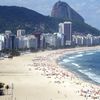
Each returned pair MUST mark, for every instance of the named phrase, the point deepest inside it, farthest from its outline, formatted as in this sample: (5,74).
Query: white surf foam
(76,56)
(80,55)
(80,52)
(90,53)
(77,65)
(91,75)
(72,57)
(66,60)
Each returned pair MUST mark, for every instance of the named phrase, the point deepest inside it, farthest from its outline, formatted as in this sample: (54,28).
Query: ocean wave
(80,52)
(91,53)
(80,55)
(76,56)
(67,60)
(91,75)
(77,65)
(72,57)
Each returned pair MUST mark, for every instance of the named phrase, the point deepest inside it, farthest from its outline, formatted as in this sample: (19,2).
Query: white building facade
(66,29)
(2,41)
(20,32)
(27,42)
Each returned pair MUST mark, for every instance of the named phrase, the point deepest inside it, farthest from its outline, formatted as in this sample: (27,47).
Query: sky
(88,9)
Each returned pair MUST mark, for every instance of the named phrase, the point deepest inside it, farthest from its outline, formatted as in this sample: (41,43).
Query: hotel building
(66,29)
(27,42)
(20,32)
(2,40)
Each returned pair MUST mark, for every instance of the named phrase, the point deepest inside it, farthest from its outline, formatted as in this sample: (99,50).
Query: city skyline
(89,9)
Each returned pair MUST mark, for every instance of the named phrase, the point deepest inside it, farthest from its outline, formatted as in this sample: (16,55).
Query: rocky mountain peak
(64,11)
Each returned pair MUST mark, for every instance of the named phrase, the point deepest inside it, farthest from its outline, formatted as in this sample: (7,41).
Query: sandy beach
(37,76)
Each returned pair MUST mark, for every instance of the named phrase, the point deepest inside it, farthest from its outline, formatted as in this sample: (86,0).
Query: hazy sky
(89,9)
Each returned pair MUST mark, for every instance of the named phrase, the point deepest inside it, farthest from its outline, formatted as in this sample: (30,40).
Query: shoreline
(75,73)
(42,72)
(80,75)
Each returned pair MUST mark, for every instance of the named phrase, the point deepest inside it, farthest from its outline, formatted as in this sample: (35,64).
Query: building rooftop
(68,22)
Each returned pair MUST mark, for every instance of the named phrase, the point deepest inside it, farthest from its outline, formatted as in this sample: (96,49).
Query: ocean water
(85,64)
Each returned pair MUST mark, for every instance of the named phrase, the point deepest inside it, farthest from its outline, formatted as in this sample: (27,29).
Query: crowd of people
(48,66)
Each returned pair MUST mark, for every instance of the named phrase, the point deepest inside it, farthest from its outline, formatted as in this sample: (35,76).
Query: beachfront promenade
(37,76)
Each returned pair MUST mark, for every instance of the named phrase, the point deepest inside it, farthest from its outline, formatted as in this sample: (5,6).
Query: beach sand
(37,76)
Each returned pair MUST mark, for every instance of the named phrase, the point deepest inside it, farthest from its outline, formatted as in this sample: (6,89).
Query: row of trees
(16,52)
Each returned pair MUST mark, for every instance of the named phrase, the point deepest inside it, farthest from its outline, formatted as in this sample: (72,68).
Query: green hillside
(13,18)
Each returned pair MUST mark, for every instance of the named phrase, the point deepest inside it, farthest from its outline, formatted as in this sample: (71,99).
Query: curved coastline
(65,62)
(42,78)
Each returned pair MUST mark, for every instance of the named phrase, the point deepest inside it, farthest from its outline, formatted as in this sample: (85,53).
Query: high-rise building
(89,40)
(2,38)
(32,41)
(10,42)
(61,28)
(66,29)
(8,32)
(78,40)
(20,32)
(38,36)
(42,41)
(0,45)
(27,42)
